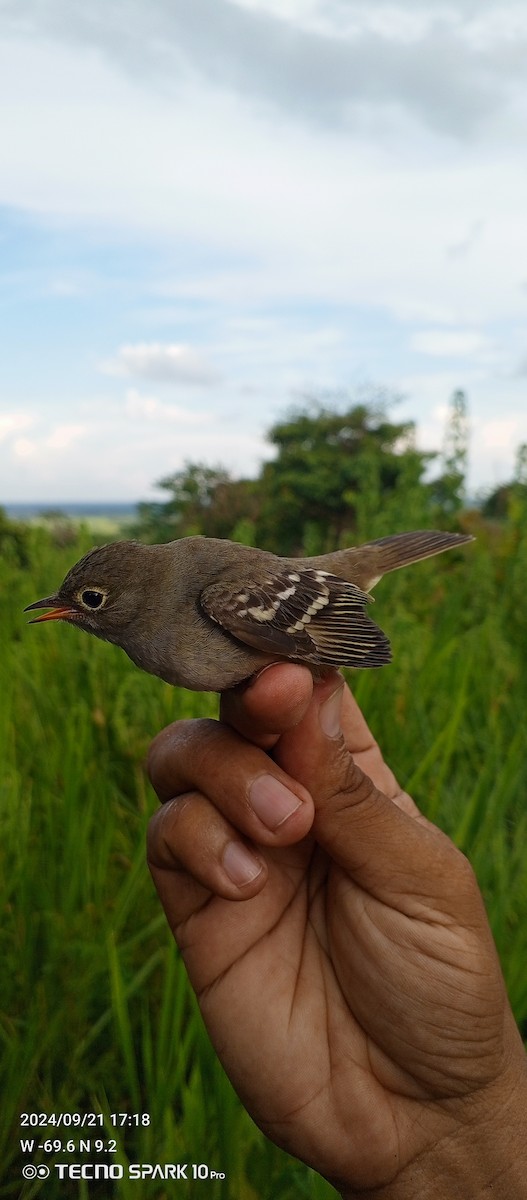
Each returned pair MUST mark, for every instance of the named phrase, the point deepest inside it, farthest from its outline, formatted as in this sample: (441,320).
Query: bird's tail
(400,549)
(367,564)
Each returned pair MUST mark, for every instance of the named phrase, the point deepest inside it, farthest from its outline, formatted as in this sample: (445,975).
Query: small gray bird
(206,614)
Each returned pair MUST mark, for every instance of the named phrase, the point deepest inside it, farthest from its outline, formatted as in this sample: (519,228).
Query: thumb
(391,853)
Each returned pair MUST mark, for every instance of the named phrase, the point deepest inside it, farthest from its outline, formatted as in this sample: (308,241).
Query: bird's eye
(92,599)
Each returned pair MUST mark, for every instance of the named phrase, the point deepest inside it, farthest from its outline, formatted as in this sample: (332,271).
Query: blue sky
(209,208)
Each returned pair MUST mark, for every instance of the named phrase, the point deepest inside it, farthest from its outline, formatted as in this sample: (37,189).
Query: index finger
(272,702)
(277,699)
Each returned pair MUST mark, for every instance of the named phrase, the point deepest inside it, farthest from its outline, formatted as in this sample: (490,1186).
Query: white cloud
(63,436)
(493,440)
(503,434)
(262,211)
(275,190)
(13,422)
(164,362)
(449,343)
(24,448)
(149,408)
(128,444)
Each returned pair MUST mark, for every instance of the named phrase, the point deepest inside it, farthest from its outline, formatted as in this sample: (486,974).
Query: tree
(509,500)
(338,476)
(202,500)
(332,475)
(449,489)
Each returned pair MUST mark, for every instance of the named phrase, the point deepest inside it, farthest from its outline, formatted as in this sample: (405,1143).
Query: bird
(206,613)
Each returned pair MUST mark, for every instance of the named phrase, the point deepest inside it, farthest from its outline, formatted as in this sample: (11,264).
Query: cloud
(452,68)
(149,408)
(165,363)
(24,448)
(122,460)
(13,422)
(449,343)
(502,433)
(250,211)
(463,245)
(278,190)
(521,366)
(63,436)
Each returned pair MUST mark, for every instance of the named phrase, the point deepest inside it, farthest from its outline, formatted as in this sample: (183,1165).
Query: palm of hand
(332,995)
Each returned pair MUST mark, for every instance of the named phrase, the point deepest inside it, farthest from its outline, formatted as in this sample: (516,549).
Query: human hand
(353,992)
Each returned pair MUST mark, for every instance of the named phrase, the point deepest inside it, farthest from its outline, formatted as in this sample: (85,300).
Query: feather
(305,614)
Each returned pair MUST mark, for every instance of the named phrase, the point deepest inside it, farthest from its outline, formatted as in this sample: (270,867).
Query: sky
(210,209)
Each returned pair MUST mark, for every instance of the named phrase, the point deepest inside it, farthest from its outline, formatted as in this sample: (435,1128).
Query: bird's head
(103,592)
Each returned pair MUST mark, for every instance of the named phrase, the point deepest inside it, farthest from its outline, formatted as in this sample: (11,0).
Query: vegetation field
(96,1013)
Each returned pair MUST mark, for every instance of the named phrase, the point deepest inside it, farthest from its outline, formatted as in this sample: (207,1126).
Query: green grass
(96,1013)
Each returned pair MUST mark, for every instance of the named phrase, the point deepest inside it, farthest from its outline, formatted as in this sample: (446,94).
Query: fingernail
(329,714)
(239,864)
(271,801)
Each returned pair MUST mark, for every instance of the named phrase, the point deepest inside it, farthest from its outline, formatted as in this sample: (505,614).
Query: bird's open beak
(58,610)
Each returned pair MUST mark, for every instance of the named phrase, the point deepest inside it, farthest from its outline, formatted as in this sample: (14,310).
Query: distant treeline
(337,475)
(340,473)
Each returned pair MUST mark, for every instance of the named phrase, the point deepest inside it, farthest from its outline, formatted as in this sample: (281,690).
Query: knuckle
(164,828)
(170,745)
(346,786)
(356,782)
(155,838)
(350,783)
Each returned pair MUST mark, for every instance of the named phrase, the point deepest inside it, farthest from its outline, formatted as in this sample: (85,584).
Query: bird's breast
(193,653)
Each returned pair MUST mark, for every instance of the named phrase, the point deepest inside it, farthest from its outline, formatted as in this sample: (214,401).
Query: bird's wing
(304,614)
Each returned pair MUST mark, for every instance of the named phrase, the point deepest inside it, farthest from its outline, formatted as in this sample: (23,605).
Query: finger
(273,701)
(198,862)
(277,698)
(386,850)
(251,791)
(193,851)
(367,754)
